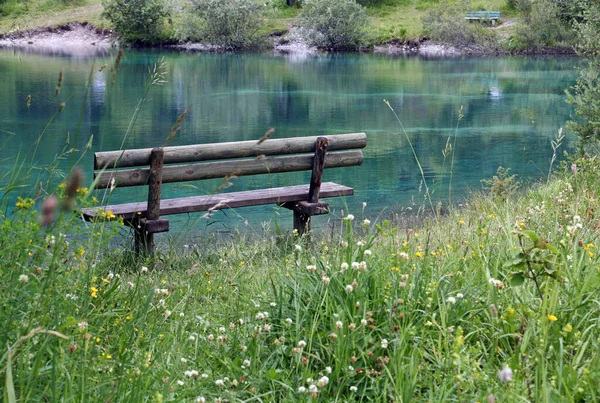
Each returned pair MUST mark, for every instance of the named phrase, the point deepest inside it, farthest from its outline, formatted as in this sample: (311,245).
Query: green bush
(446,23)
(333,24)
(585,94)
(543,26)
(136,21)
(232,24)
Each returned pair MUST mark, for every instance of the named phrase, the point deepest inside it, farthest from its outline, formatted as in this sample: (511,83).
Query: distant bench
(483,16)
(144,167)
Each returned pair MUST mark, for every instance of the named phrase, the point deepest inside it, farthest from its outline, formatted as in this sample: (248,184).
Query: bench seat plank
(226,200)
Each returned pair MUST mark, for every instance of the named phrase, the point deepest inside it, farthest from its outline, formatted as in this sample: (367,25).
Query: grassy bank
(499,298)
(389,21)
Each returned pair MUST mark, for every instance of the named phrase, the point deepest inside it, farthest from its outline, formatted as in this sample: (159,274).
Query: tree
(136,21)
(585,94)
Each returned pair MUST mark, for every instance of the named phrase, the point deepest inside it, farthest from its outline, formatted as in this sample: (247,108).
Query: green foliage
(446,23)
(545,23)
(502,185)
(333,24)
(136,21)
(232,24)
(585,94)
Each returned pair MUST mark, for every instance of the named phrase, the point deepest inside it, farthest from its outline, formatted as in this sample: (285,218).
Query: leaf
(10,387)
(517,280)
(534,238)
(272,374)
(516,262)
(552,249)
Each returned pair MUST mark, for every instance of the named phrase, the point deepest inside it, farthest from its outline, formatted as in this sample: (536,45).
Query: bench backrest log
(219,160)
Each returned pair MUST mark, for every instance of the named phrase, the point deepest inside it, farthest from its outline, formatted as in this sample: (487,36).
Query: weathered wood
(317,170)
(308,208)
(154,191)
(216,151)
(155,226)
(301,222)
(298,193)
(221,169)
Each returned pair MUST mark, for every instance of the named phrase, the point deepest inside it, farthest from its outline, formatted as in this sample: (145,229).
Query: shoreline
(83,39)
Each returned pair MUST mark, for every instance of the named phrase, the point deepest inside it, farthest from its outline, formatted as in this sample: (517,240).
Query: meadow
(495,299)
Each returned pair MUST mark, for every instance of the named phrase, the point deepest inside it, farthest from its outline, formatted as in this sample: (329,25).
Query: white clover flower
(505,374)
(260,316)
(311,267)
(451,300)
(368,252)
(144,269)
(404,255)
(313,389)
(576,220)
(322,382)
(183,360)
(339,324)
(349,217)
(246,363)
(180,382)
(220,383)
(243,348)
(384,343)
(355,265)
(289,321)
(459,296)
(201,399)
(361,243)
(267,328)
(210,337)
(363,322)
(23,278)
(353,389)
(273,304)
(326,280)
(301,389)
(192,337)
(329,370)
(366,222)
(344,244)
(130,284)
(82,325)
(191,373)
(204,376)
(298,248)
(344,266)
(301,344)
(222,329)
(349,288)
(168,313)
(181,314)
(362,265)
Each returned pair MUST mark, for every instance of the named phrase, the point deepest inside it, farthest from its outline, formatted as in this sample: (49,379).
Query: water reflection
(511,108)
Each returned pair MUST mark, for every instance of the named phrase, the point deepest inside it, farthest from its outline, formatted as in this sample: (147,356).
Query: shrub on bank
(231,24)
(137,21)
(333,24)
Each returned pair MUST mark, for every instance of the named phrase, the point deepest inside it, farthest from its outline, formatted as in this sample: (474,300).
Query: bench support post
(301,219)
(143,238)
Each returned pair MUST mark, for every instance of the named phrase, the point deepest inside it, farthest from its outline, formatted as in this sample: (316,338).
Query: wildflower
(183,360)
(144,269)
(353,389)
(568,328)
(366,223)
(361,243)
(23,278)
(363,322)
(355,265)
(451,300)
(552,318)
(298,248)
(496,283)
(333,336)
(267,328)
(349,217)
(260,316)
(344,244)
(351,326)
(362,265)
(459,296)
(368,252)
(301,344)
(167,314)
(220,383)
(461,221)
(349,288)
(505,374)
(404,256)
(322,382)
(201,399)
(191,374)
(344,266)
(339,324)
(329,370)
(326,280)
(301,389)
(82,325)
(311,267)
(313,389)
(130,284)
(94,291)
(289,321)
(384,343)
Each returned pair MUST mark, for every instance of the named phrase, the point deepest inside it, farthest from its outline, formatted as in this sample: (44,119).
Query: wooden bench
(483,16)
(153,167)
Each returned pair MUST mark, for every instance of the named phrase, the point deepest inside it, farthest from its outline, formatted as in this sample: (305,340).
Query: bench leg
(301,222)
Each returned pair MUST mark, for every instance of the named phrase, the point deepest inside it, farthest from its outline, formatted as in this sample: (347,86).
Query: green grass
(392,20)
(376,310)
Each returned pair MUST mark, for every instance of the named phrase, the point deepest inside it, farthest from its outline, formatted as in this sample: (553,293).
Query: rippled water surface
(512,107)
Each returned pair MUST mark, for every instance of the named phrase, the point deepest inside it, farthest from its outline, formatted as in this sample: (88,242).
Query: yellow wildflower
(461,221)
(419,255)
(94,291)
(568,328)
(110,215)
(552,318)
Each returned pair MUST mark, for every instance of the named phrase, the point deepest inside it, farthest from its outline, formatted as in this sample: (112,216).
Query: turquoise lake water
(512,108)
